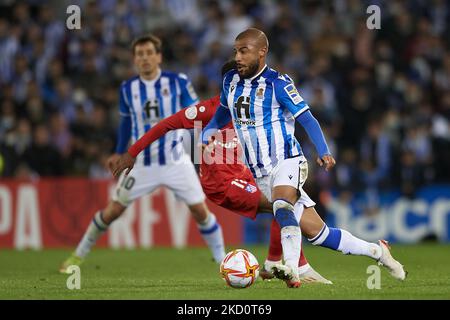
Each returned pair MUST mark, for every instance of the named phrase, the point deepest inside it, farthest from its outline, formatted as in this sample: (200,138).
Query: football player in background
(145,99)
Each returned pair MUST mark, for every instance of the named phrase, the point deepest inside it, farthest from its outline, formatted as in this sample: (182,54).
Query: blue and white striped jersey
(148,102)
(263,110)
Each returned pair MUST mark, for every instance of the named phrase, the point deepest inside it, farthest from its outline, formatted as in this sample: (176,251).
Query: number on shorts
(128,183)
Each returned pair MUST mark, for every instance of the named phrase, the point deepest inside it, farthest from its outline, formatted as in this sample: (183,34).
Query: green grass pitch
(167,273)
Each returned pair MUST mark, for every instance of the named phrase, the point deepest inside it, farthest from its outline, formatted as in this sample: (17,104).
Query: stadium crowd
(381,96)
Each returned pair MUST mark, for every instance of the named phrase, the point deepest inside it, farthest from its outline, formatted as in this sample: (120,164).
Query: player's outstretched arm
(183,119)
(312,127)
(288,97)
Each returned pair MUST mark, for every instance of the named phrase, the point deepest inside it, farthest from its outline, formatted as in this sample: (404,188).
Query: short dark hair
(147,38)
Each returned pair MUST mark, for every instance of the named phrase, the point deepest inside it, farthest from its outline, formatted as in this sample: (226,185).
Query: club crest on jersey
(250,188)
(292,92)
(165,92)
(260,93)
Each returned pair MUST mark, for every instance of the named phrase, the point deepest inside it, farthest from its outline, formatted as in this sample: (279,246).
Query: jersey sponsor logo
(292,92)
(245,122)
(191,113)
(151,110)
(242,107)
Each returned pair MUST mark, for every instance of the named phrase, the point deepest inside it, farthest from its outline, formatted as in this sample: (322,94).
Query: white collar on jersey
(259,73)
(151,82)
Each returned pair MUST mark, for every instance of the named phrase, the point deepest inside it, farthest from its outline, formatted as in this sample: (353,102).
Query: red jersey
(222,164)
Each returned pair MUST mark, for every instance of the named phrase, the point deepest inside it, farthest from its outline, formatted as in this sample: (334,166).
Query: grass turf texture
(167,273)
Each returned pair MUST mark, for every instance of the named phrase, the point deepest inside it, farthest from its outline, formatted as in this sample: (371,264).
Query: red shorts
(242,197)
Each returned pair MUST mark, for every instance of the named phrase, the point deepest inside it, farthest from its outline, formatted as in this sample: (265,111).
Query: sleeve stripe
(306,108)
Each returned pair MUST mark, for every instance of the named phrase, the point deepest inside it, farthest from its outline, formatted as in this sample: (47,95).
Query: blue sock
(284,213)
(344,241)
(328,237)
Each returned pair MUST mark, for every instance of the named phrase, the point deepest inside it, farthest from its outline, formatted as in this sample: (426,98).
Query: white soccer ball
(239,268)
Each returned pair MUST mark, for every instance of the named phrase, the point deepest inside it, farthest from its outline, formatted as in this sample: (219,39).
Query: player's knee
(282,204)
(199,212)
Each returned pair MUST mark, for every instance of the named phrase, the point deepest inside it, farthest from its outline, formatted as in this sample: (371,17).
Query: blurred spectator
(347,171)
(60,136)
(411,175)
(236,21)
(381,96)
(9,46)
(7,117)
(41,156)
(376,154)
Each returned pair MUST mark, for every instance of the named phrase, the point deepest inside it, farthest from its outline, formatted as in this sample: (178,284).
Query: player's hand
(326,160)
(125,161)
(207,150)
(112,160)
(209,146)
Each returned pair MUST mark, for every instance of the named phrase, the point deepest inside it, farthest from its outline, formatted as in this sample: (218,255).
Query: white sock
(344,241)
(95,229)
(291,238)
(212,234)
(352,245)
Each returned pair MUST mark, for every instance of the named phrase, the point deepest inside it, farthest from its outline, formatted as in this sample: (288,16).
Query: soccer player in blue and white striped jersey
(145,99)
(264,105)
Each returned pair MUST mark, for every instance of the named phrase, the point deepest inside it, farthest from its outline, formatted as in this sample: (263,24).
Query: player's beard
(251,70)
